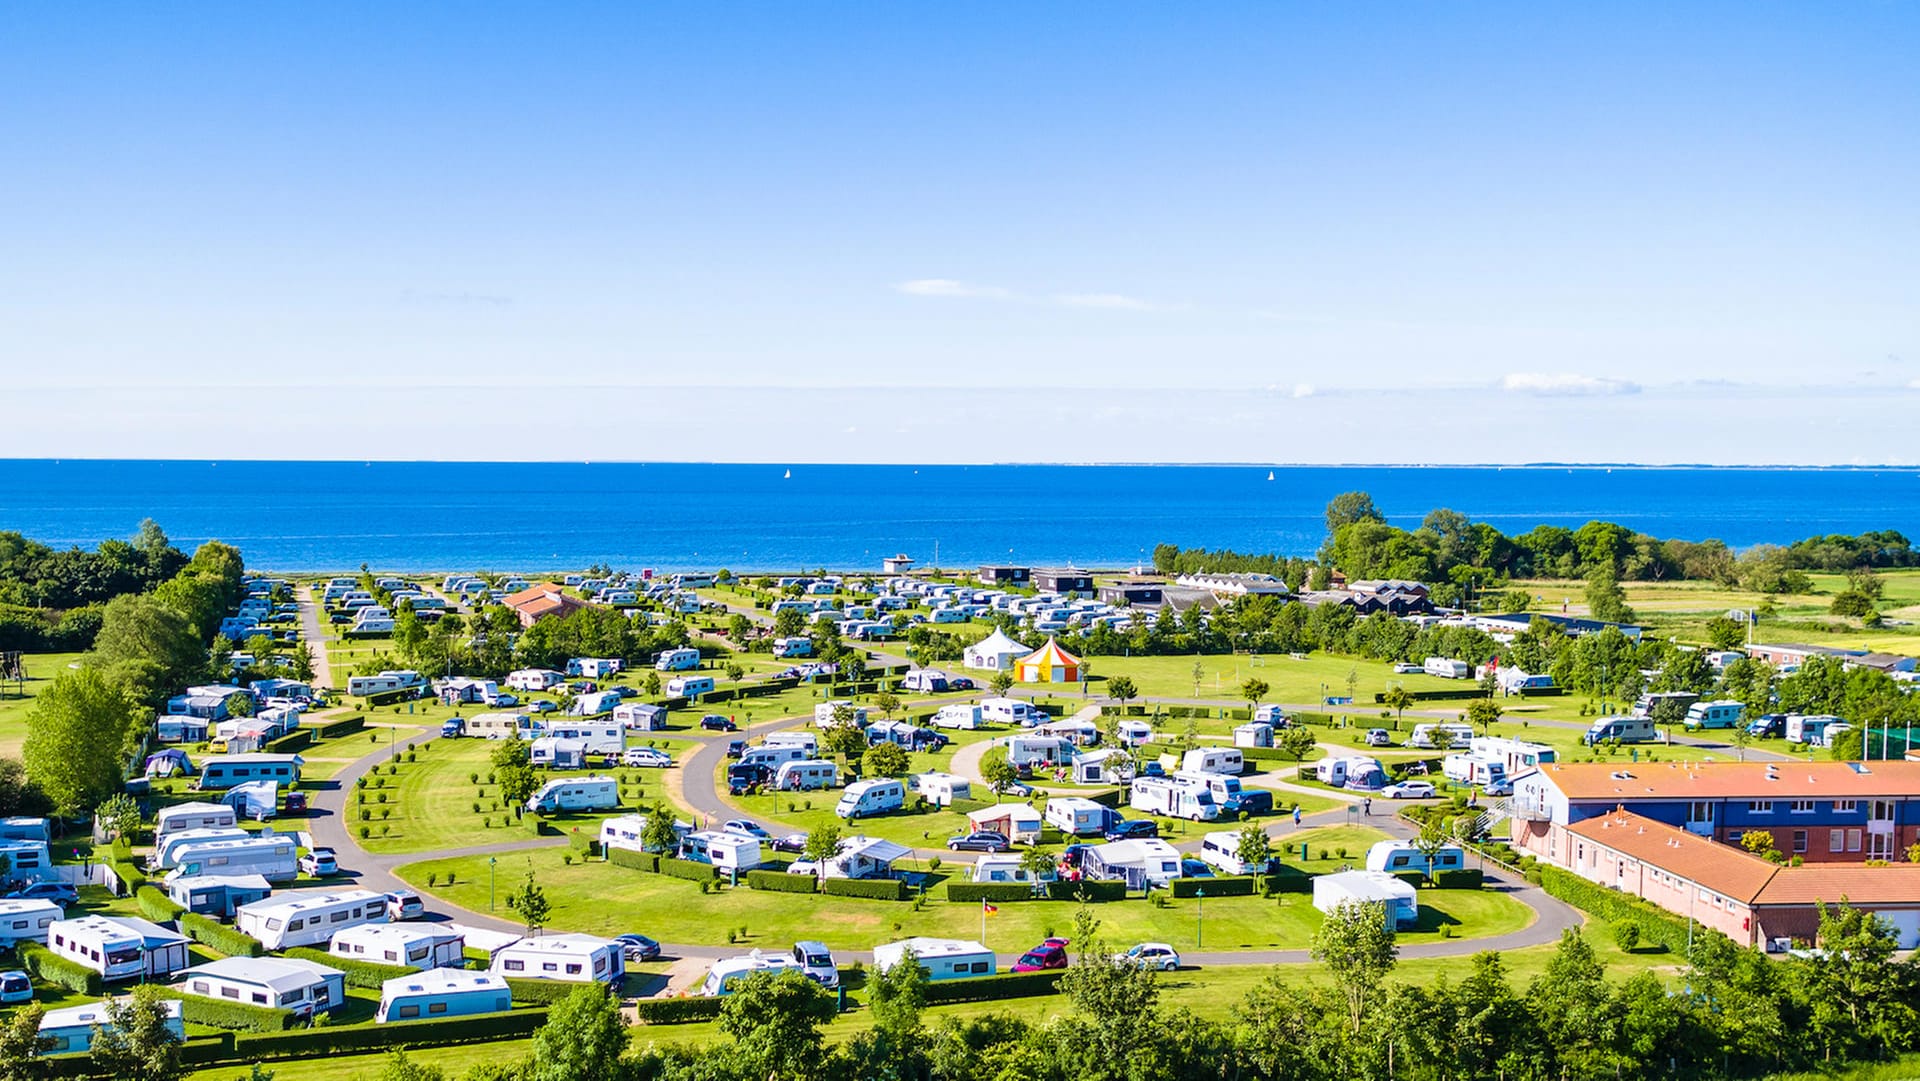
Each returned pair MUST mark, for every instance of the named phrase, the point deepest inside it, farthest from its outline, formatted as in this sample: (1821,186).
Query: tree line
(52,600)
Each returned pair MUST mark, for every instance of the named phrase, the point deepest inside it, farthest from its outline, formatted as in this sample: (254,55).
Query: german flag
(989,910)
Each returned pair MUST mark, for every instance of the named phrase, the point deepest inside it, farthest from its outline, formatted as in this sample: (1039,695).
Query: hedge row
(1095,889)
(342,727)
(1225,886)
(50,967)
(1655,925)
(157,906)
(327,1041)
(236,1016)
(782,882)
(990,988)
(877,889)
(221,938)
(637,861)
(676,1011)
(296,740)
(989,891)
(129,873)
(1287,881)
(1379,697)
(542,992)
(1466,878)
(691,870)
(584,842)
(368,974)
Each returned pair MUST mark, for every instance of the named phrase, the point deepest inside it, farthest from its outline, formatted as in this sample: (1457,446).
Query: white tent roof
(1011,812)
(997,644)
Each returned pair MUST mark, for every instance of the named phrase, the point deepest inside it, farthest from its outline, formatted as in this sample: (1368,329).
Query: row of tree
(51,599)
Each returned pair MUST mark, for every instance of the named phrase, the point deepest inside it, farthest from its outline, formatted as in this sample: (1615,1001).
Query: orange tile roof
(1829,882)
(1733,780)
(1721,868)
(542,600)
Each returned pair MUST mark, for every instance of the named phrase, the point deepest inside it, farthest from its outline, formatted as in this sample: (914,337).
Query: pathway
(313,636)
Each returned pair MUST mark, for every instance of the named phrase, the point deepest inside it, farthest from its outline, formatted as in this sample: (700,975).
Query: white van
(689,686)
(796,646)
(1011,711)
(1460,735)
(575,794)
(805,775)
(1227,760)
(957,716)
(677,660)
(773,757)
(1080,817)
(1624,729)
(1721,714)
(1447,668)
(1393,856)
(1221,850)
(870,798)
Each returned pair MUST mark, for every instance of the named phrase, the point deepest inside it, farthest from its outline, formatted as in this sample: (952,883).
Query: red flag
(991,910)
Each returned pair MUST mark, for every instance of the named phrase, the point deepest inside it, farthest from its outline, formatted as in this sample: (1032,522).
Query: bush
(1224,886)
(781,882)
(691,870)
(326,1041)
(220,938)
(129,873)
(991,988)
(877,889)
(368,974)
(636,861)
(991,892)
(296,740)
(676,1011)
(1416,879)
(584,842)
(157,906)
(1287,880)
(1656,926)
(220,1013)
(541,992)
(1466,878)
(50,967)
(332,729)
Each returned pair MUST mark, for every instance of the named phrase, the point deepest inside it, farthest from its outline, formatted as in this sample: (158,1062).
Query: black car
(744,778)
(959,683)
(1133,829)
(736,748)
(980,841)
(714,722)
(792,842)
(638,947)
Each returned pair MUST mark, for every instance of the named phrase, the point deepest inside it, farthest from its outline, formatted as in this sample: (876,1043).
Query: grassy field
(16,701)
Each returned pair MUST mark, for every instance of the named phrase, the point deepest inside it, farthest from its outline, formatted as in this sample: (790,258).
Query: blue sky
(963,232)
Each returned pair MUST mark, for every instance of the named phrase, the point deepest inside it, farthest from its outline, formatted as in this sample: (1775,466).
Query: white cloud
(947,287)
(1565,385)
(1303,390)
(1111,301)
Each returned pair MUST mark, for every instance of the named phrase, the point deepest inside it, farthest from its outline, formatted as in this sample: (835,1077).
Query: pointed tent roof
(998,642)
(1051,654)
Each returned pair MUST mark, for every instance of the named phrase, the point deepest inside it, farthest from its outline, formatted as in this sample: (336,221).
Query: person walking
(1366,805)
(1296,815)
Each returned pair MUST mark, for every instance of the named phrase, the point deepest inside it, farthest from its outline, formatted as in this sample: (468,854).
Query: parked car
(1409,790)
(1133,829)
(56,892)
(647,756)
(714,722)
(1379,737)
(792,842)
(405,905)
(1405,668)
(504,700)
(746,778)
(959,683)
(1193,868)
(1768,726)
(1151,955)
(638,947)
(747,827)
(319,863)
(1049,954)
(543,705)
(980,841)
(736,748)
(1152,769)
(15,986)
(1498,788)
(1070,857)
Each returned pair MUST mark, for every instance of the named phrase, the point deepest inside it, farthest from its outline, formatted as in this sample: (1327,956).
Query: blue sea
(437,516)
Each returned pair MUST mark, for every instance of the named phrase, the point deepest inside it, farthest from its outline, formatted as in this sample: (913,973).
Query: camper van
(442,993)
(309,917)
(943,958)
(737,852)
(274,858)
(1227,760)
(191,816)
(1458,735)
(408,945)
(865,798)
(1079,817)
(1012,711)
(774,756)
(23,920)
(504,726)
(607,737)
(806,775)
(569,958)
(677,660)
(1173,798)
(1402,856)
(1221,850)
(823,713)
(166,852)
(1447,668)
(1623,729)
(575,794)
(1809,728)
(796,646)
(1722,714)
(728,972)
(1038,750)
(957,716)
(1228,793)
(225,771)
(689,686)
(1517,755)
(806,741)
(941,789)
(1471,769)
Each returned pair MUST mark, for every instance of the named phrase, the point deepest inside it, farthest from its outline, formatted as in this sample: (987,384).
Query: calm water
(415,516)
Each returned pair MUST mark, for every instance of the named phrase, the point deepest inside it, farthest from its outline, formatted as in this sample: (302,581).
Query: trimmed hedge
(342,727)
(989,891)
(328,1041)
(583,842)
(50,967)
(1656,926)
(368,974)
(676,1011)
(877,889)
(1287,881)
(220,1013)
(1223,886)
(990,988)
(129,873)
(691,870)
(298,739)
(156,905)
(1416,879)
(221,938)
(637,861)
(542,992)
(1096,889)
(782,882)
(1465,878)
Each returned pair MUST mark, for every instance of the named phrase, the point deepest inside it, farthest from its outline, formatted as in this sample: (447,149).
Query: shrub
(781,882)
(50,967)
(878,889)
(991,892)
(1287,880)
(220,938)
(1224,886)
(325,1041)
(1656,926)
(690,870)
(676,1011)
(157,906)
(237,1016)
(331,729)
(1465,878)
(638,861)
(991,988)
(368,974)
(541,992)
(130,875)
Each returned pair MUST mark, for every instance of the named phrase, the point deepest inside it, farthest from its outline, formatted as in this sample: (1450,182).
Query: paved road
(313,635)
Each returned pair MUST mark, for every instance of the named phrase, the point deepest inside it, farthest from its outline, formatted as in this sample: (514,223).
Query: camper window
(516,966)
(436,1007)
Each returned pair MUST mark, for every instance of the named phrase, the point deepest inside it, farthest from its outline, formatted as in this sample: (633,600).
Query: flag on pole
(989,910)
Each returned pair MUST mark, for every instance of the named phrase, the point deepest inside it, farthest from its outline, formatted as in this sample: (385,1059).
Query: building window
(1733,836)
(1760,806)
(1799,840)
(1803,806)
(1700,811)
(1844,806)
(1853,840)
(1836,840)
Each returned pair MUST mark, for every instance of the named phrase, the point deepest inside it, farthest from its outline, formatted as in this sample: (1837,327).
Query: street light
(1200,929)
(491,860)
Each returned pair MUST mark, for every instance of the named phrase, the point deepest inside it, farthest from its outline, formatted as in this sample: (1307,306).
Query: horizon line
(787,464)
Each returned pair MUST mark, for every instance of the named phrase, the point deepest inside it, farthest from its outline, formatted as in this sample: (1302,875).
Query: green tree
(1297,742)
(119,816)
(651,685)
(1481,713)
(1397,699)
(1001,683)
(1668,713)
(739,629)
(887,759)
(1849,602)
(147,649)
(735,672)
(887,703)
(1431,839)
(775,1021)
(1725,633)
(1859,995)
(1359,952)
(1113,997)
(823,844)
(1037,862)
(658,835)
(21,1045)
(1253,848)
(1517,600)
(530,903)
(1121,689)
(398,1067)
(998,770)
(517,783)
(1253,690)
(1605,599)
(1350,507)
(135,1044)
(76,740)
(582,1040)
(897,997)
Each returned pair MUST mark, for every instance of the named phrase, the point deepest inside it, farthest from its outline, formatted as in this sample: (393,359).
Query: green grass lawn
(16,700)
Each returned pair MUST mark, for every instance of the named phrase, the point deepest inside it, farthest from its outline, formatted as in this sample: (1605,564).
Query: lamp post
(1200,928)
(491,860)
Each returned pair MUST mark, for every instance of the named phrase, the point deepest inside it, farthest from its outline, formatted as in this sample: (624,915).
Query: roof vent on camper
(1860,768)
(1621,775)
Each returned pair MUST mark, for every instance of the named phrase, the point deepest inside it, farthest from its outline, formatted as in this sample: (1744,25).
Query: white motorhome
(806,775)
(24,920)
(442,992)
(864,798)
(728,972)
(1426,736)
(410,945)
(774,756)
(796,646)
(941,789)
(503,726)
(385,682)
(534,679)
(1517,755)
(70,1031)
(1038,750)
(119,947)
(1392,856)
(689,686)
(600,737)
(806,741)
(677,660)
(1079,817)
(1133,733)
(1221,850)
(274,857)
(166,853)
(736,852)
(279,983)
(958,715)
(308,918)
(823,714)
(600,667)
(1012,711)
(191,816)
(1471,769)
(1810,727)
(1173,798)
(943,958)
(1226,760)
(569,958)
(596,702)
(227,770)
(1623,729)
(1721,714)
(1447,668)
(575,794)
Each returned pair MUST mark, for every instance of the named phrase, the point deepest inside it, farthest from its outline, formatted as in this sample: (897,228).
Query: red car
(1049,954)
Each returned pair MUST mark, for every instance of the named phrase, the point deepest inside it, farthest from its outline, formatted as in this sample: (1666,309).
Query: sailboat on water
(789,475)
(1269,474)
